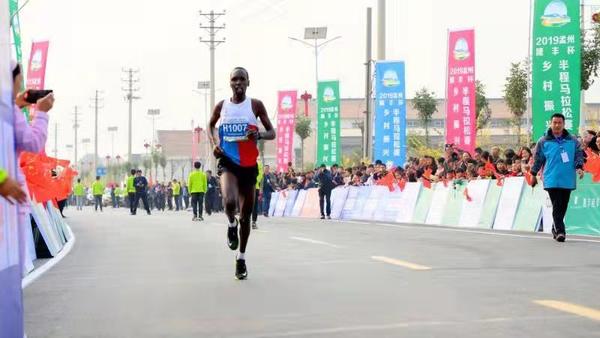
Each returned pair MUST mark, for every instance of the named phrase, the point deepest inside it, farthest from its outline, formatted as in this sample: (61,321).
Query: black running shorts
(246,176)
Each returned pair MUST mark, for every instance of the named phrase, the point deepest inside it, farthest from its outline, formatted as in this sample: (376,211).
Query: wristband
(3,176)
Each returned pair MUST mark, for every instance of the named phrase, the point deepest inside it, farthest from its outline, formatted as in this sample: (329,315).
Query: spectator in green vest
(118,195)
(131,191)
(257,197)
(79,192)
(197,183)
(97,191)
(177,194)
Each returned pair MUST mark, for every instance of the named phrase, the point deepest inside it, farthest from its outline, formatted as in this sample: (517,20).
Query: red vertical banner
(461,122)
(286,124)
(36,72)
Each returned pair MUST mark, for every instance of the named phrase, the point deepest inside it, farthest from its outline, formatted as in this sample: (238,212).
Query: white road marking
(391,326)
(314,241)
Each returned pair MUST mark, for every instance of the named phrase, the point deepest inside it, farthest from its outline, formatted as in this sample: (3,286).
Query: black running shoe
(232,236)
(240,269)
(560,237)
(254,226)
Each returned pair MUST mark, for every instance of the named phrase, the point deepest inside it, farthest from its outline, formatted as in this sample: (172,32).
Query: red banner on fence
(36,72)
(461,123)
(286,124)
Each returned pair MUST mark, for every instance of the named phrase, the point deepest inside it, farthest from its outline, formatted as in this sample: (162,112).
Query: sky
(91,42)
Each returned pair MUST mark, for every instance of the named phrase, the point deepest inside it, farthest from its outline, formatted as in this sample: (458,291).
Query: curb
(37,273)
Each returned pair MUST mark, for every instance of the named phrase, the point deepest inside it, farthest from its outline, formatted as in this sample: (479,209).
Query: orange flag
(402,184)
(426,183)
(466,194)
(592,165)
(387,180)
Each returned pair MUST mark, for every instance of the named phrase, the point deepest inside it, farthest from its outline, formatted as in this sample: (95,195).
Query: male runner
(235,147)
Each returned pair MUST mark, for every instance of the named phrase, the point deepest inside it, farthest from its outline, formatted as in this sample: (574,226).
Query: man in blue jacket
(561,156)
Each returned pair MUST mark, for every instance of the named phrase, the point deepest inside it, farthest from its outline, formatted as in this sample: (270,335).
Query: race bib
(564,156)
(234,132)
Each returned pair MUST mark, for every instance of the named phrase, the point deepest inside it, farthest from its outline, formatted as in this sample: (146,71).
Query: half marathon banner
(461,122)
(36,73)
(16,28)
(556,66)
(286,125)
(390,113)
(328,123)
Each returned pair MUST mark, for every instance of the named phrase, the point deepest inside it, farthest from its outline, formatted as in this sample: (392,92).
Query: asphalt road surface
(166,276)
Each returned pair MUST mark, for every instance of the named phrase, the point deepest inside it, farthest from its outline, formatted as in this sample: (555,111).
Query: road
(166,276)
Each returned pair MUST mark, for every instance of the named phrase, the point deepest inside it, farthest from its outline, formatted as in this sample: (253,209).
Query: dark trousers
(177,199)
(61,206)
(256,207)
(560,202)
(97,202)
(266,202)
(209,200)
(170,202)
(197,200)
(325,197)
(144,197)
(131,197)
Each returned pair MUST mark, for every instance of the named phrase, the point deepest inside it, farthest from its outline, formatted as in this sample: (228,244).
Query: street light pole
(153,113)
(112,130)
(316,34)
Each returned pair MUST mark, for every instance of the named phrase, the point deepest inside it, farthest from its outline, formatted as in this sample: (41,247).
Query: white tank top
(234,123)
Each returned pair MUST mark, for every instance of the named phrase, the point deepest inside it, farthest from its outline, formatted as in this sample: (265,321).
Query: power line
(97,102)
(75,127)
(212,29)
(130,81)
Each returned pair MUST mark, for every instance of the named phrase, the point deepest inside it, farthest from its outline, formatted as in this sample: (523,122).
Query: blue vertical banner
(390,113)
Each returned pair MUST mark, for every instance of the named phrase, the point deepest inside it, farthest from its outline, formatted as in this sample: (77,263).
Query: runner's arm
(261,113)
(213,135)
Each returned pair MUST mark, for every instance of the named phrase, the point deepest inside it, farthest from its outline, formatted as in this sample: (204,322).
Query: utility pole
(212,43)
(381,29)
(132,78)
(368,115)
(75,127)
(97,101)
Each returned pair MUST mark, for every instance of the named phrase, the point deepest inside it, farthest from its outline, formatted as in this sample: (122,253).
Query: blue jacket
(557,173)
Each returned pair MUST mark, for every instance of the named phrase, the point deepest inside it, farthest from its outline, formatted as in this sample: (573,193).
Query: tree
(515,93)
(163,164)
(303,130)
(147,163)
(590,57)
(155,161)
(482,106)
(426,104)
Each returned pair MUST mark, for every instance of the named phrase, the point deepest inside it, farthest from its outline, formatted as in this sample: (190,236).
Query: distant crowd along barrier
(513,205)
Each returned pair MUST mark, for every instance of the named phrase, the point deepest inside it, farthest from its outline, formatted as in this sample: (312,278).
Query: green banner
(583,214)
(16,28)
(329,150)
(556,68)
